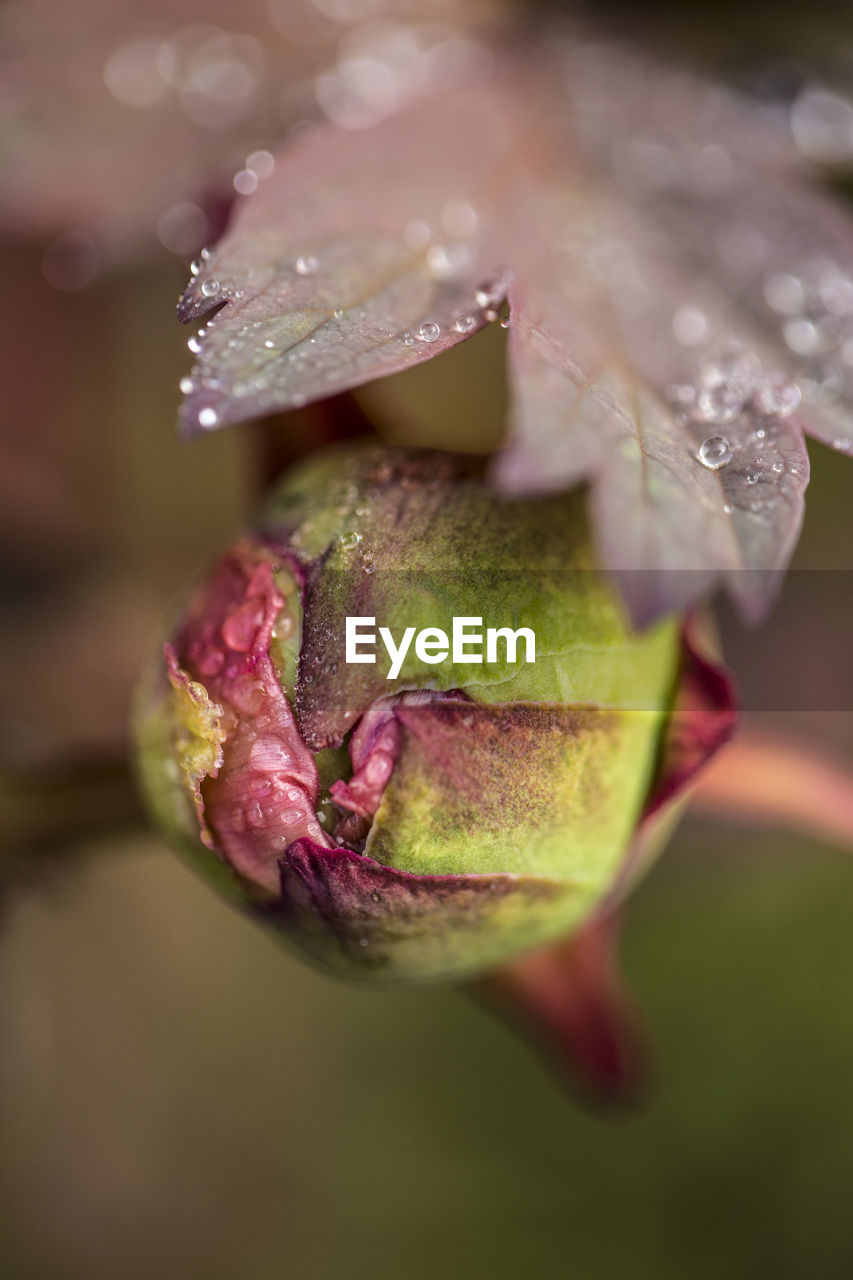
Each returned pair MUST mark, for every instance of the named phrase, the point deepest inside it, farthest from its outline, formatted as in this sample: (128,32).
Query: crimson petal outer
(387,921)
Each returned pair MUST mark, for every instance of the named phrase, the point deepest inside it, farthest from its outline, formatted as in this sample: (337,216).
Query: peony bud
(352,728)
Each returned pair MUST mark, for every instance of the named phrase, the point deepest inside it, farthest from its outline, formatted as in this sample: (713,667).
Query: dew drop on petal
(715,452)
(207,417)
(210,288)
(194,345)
(186,385)
(306,265)
(752,476)
(430,331)
(464,324)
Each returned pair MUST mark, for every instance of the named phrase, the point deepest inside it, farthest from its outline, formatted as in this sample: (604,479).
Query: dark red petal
(703,719)
(383,922)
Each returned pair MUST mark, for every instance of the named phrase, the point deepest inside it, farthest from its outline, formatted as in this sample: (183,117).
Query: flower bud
(352,729)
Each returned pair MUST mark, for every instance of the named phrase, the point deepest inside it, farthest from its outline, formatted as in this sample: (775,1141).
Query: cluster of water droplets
(745,402)
(811,304)
(489,295)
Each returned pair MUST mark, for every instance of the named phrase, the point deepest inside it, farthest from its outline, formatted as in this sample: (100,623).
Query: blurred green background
(180,1097)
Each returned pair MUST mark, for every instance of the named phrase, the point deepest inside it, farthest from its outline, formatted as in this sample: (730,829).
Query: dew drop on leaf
(715,452)
(777,396)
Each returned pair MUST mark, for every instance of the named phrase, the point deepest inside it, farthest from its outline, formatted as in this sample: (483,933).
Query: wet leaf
(681,295)
(334,274)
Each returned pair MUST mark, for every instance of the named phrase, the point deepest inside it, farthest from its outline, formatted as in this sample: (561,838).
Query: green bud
(424,815)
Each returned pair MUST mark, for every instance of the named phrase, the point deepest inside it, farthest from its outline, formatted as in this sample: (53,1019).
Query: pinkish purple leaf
(673,327)
(362,255)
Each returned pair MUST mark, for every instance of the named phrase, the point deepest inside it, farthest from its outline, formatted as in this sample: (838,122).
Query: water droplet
(682,393)
(306,265)
(417,234)
(195,267)
(337,313)
(409,339)
(777,396)
(778,467)
(752,476)
(429,331)
(492,291)
(194,344)
(689,326)
(822,125)
(186,385)
(245,182)
(505,322)
(448,262)
(458,218)
(715,452)
(261,163)
(350,540)
(210,288)
(842,443)
(207,417)
(719,401)
(784,293)
(727,509)
(269,344)
(465,324)
(205,254)
(802,336)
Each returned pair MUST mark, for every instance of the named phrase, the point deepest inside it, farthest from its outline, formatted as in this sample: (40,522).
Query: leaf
(673,330)
(331,275)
